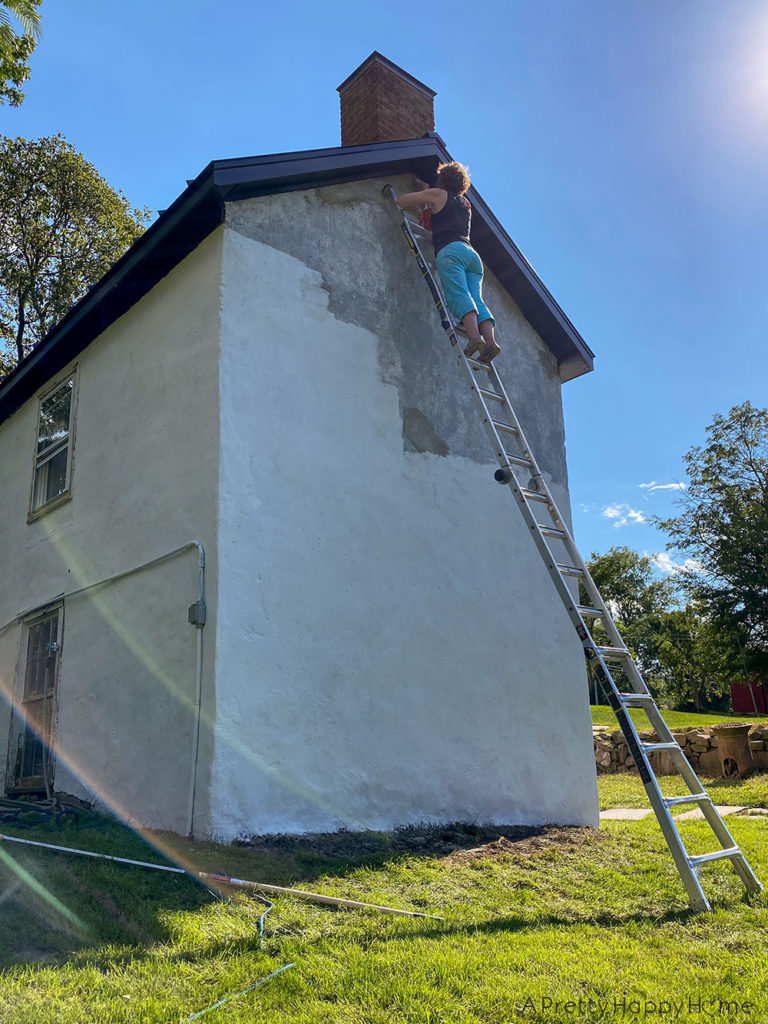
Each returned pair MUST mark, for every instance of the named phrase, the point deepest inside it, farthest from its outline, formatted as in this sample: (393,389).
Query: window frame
(40,460)
(48,699)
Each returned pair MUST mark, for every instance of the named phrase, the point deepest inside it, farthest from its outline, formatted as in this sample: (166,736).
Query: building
(257,575)
(750,698)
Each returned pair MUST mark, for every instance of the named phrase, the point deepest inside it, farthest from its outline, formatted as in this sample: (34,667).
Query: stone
(721,810)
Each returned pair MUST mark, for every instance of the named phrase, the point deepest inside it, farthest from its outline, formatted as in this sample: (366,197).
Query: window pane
(37,701)
(32,759)
(51,478)
(41,658)
(54,417)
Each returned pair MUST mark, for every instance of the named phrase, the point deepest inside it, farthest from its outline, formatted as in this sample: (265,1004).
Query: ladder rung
(692,798)
(551,531)
(729,851)
(590,613)
(535,496)
(492,395)
(612,653)
(504,428)
(569,570)
(519,460)
(636,698)
(418,229)
(536,491)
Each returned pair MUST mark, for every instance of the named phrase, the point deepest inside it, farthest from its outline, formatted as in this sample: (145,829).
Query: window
(31,766)
(53,457)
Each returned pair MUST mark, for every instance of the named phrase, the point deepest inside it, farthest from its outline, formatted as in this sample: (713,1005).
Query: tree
(16,48)
(628,584)
(681,652)
(723,526)
(684,656)
(61,227)
(636,598)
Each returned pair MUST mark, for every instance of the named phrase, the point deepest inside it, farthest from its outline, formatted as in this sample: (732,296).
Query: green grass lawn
(624,789)
(571,915)
(675,719)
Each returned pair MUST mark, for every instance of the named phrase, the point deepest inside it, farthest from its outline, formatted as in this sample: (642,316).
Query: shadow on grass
(56,905)
(59,907)
(298,860)
(110,958)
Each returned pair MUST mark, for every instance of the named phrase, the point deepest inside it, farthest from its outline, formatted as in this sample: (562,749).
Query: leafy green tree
(16,47)
(629,585)
(636,598)
(682,653)
(61,227)
(723,527)
(684,657)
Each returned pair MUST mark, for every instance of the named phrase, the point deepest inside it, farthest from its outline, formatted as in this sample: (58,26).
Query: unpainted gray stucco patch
(347,234)
(419,435)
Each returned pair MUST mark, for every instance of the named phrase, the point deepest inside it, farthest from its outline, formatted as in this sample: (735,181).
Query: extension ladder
(612,664)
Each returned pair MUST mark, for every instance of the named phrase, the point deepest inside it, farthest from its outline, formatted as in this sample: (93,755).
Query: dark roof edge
(192,215)
(554,308)
(200,209)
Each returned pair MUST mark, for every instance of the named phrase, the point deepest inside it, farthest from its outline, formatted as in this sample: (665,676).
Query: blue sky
(623,145)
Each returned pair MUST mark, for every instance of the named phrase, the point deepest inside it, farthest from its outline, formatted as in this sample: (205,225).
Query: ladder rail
(597,656)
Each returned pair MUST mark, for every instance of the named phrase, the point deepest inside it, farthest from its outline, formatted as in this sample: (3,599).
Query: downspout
(197,617)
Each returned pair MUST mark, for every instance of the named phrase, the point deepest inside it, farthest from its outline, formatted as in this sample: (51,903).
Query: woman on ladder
(459,266)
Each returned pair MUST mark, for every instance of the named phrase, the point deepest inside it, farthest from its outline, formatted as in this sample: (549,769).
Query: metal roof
(200,208)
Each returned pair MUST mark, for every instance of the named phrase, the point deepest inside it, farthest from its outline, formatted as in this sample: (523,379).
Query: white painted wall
(144,483)
(384,645)
(389,646)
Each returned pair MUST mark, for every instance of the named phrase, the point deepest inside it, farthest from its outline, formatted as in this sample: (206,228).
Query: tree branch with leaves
(723,526)
(61,228)
(19,35)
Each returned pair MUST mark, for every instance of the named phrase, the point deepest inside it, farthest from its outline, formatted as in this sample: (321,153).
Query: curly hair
(452,177)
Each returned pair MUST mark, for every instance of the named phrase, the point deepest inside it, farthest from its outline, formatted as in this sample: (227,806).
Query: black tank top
(451,224)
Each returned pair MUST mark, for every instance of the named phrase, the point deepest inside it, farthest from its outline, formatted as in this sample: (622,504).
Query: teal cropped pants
(461,274)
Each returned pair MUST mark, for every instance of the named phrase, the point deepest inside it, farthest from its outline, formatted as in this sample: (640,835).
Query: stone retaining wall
(699,745)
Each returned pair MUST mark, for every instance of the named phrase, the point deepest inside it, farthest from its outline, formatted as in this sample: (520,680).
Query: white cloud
(663,562)
(623,515)
(653,486)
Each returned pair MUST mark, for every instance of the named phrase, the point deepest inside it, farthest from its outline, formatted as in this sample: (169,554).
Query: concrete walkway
(638,813)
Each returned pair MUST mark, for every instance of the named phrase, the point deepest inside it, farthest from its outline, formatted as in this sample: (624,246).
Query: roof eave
(200,208)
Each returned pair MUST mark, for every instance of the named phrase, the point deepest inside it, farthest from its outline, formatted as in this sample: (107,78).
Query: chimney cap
(378,58)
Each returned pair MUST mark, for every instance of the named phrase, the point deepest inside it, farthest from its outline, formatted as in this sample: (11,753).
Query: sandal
(489,352)
(473,346)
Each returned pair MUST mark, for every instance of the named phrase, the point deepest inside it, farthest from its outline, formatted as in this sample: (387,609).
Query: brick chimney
(382,103)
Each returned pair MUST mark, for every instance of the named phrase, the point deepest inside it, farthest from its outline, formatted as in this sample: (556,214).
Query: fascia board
(160,248)
(199,209)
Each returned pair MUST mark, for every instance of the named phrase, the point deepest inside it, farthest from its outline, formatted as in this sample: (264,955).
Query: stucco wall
(144,483)
(390,648)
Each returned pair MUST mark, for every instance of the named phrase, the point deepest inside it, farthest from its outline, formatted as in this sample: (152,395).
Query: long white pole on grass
(241,883)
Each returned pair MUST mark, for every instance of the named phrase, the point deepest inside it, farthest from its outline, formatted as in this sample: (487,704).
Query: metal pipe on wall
(197,618)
